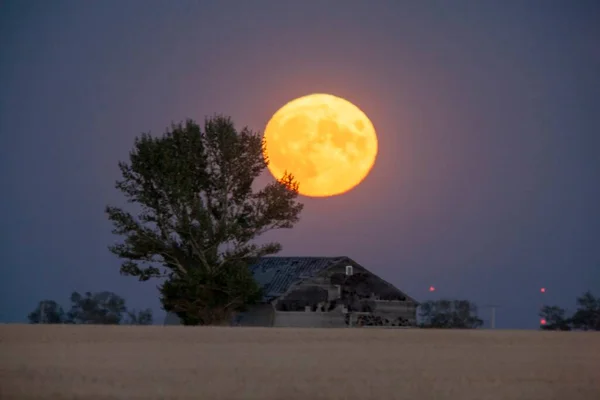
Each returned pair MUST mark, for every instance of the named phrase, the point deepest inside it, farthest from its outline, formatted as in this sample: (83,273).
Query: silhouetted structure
(323,292)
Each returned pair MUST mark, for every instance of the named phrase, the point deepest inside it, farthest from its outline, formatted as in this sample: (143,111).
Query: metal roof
(276,274)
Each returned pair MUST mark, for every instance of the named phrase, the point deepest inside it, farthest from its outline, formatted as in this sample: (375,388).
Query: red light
(543,290)
(431,289)
(543,321)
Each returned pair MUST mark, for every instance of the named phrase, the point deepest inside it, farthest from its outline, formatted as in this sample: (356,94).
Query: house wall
(264,315)
(372,302)
(300,319)
(394,309)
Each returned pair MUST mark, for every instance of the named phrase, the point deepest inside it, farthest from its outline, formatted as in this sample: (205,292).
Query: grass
(129,362)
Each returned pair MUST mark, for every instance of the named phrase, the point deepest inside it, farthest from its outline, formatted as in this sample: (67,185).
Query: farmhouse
(322,292)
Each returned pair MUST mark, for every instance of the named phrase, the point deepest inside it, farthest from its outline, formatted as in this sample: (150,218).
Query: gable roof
(276,274)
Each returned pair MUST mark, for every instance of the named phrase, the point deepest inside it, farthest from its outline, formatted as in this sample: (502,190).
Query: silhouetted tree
(143,317)
(47,312)
(587,316)
(199,216)
(457,314)
(554,318)
(104,308)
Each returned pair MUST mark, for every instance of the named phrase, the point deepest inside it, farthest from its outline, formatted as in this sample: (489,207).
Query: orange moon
(326,142)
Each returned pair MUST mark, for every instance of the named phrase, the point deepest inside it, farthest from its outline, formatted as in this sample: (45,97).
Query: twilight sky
(488,115)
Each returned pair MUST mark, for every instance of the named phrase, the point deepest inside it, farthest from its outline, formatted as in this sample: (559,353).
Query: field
(128,362)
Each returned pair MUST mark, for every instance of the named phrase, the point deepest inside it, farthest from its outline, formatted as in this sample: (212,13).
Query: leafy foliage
(143,317)
(199,216)
(457,314)
(47,312)
(555,319)
(204,297)
(586,317)
(105,308)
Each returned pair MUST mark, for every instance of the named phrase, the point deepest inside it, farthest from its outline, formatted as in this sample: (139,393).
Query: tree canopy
(102,308)
(47,312)
(586,317)
(141,317)
(554,319)
(198,215)
(105,308)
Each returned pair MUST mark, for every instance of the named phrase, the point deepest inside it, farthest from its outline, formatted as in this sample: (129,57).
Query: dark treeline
(585,318)
(102,308)
(462,314)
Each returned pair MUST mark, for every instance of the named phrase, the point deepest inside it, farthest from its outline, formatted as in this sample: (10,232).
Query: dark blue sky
(488,114)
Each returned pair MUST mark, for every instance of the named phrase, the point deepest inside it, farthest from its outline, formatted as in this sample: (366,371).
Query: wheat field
(131,362)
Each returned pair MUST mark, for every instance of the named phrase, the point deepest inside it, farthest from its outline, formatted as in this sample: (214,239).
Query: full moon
(326,142)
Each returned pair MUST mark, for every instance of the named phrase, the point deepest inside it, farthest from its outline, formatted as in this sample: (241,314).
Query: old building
(323,292)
